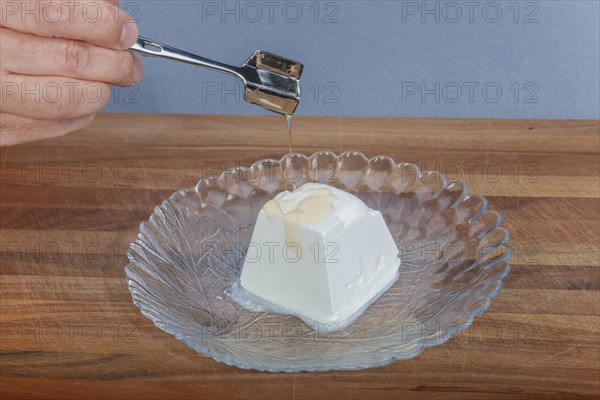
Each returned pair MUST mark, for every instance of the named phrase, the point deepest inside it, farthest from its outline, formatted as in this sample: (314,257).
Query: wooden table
(71,205)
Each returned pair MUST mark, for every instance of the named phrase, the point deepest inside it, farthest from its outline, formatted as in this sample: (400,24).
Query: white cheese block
(320,253)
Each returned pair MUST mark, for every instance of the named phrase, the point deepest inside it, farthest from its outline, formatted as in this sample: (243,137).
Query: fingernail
(129,34)
(138,69)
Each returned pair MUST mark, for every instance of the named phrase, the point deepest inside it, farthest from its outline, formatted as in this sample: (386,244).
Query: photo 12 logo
(50,173)
(63,253)
(66,11)
(252,12)
(292,252)
(61,93)
(469,11)
(470,92)
(234,92)
(71,333)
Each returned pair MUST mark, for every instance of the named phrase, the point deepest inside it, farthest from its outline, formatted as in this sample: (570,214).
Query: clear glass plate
(188,257)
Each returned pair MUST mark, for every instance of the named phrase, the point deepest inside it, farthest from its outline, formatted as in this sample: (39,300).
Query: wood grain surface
(70,207)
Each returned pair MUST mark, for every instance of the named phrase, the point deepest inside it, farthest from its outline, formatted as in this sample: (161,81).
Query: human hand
(57,61)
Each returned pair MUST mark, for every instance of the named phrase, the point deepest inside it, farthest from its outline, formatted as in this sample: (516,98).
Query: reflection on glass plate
(188,257)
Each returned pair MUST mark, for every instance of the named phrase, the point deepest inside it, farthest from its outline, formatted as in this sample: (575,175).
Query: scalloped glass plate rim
(232,361)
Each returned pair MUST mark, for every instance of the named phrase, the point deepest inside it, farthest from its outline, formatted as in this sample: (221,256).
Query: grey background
(380,58)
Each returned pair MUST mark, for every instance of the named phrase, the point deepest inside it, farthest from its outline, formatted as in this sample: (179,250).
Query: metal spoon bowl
(270,81)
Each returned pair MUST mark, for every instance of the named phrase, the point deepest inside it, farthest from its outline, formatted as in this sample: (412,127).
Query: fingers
(67,57)
(58,58)
(16,129)
(95,21)
(52,98)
